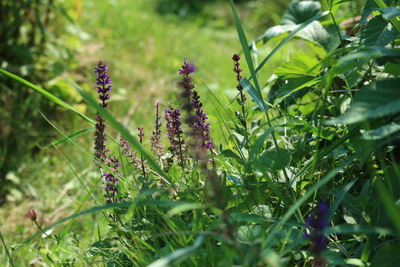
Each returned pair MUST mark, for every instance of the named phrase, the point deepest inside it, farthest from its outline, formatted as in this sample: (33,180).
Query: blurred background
(143,42)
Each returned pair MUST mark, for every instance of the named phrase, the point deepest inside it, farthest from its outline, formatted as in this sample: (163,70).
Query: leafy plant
(309,174)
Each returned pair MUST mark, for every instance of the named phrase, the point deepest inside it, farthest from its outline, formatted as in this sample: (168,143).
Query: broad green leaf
(393,55)
(299,66)
(289,37)
(299,12)
(387,256)
(378,32)
(230,154)
(275,160)
(327,37)
(392,68)
(276,31)
(372,101)
(249,234)
(313,32)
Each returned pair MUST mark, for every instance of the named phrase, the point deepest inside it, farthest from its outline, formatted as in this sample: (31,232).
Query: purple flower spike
(174,133)
(187,86)
(201,128)
(104,86)
(104,83)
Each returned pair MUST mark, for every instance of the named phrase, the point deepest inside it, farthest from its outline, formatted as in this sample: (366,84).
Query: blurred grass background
(144,43)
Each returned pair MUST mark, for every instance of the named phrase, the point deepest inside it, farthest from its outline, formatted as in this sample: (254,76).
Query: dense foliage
(32,49)
(308,174)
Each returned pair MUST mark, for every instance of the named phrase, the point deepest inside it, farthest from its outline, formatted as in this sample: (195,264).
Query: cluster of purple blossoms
(103,83)
(187,86)
(127,151)
(175,134)
(318,222)
(201,127)
(110,180)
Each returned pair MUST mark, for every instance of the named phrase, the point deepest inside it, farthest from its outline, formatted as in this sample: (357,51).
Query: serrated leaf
(373,101)
(275,160)
(378,32)
(249,233)
(299,12)
(299,66)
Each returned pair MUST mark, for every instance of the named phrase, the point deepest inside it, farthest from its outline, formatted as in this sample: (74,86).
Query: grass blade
(46,94)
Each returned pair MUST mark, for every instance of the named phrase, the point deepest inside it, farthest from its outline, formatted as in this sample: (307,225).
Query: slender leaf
(179,255)
(46,94)
(254,94)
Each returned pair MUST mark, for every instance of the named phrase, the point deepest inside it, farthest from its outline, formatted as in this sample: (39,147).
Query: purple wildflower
(318,222)
(111,181)
(104,86)
(201,128)
(127,151)
(174,133)
(187,86)
(104,83)
(187,68)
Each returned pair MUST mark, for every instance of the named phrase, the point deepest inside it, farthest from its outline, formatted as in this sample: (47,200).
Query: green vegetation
(303,165)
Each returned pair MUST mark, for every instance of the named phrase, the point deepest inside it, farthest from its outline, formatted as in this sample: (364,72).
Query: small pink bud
(31,215)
